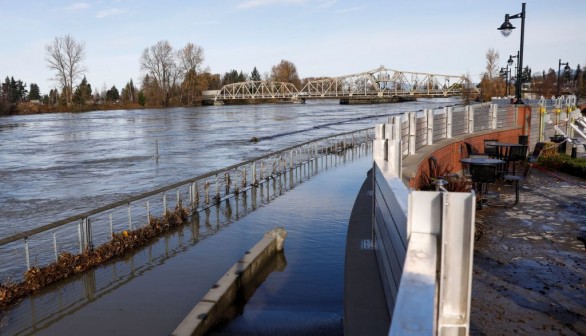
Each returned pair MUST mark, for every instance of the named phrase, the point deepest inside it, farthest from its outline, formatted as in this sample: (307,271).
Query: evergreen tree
(255,75)
(34,93)
(83,92)
(112,94)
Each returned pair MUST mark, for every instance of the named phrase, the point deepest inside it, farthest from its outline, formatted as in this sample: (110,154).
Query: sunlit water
(150,292)
(58,165)
(53,166)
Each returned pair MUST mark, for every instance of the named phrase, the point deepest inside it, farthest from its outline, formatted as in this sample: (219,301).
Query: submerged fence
(41,246)
(39,311)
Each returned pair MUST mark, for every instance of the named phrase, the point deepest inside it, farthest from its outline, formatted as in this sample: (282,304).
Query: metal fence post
(430,126)
(27,254)
(164,203)
(449,118)
(129,216)
(111,227)
(148,207)
(55,246)
(412,132)
(470,116)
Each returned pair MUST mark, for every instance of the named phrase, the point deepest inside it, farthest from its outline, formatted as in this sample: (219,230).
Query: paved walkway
(529,268)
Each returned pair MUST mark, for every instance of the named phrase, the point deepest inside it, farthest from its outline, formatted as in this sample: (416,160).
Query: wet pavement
(529,267)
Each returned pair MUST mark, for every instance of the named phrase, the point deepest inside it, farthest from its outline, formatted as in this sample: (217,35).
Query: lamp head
(507,27)
(567,68)
(510,61)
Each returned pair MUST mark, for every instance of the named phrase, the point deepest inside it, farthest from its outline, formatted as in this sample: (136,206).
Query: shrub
(565,164)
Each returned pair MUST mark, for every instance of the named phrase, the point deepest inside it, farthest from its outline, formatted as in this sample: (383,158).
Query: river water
(53,166)
(57,165)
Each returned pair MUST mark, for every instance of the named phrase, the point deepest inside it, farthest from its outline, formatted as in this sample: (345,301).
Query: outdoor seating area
(501,165)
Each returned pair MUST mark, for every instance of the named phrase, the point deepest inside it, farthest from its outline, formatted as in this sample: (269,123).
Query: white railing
(423,247)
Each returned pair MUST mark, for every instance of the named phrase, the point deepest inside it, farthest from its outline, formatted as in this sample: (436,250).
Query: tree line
(495,81)
(170,77)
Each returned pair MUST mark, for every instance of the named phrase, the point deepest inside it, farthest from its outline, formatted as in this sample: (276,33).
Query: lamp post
(510,63)
(506,72)
(566,69)
(506,29)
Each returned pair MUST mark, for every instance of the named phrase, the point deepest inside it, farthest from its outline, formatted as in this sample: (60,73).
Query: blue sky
(321,37)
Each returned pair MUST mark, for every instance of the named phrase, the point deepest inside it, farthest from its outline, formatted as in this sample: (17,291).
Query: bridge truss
(381,82)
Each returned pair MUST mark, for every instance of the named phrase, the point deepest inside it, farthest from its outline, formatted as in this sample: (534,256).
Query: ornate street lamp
(506,29)
(566,69)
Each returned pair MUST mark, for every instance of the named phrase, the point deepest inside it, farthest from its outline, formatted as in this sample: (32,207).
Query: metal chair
(482,175)
(517,179)
(489,147)
(516,154)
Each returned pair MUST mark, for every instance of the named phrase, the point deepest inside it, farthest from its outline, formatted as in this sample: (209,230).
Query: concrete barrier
(232,287)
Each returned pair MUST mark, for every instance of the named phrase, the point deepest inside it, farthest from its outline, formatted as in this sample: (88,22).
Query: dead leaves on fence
(69,264)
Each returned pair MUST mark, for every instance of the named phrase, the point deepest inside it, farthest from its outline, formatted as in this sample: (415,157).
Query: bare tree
(159,62)
(491,84)
(65,56)
(285,72)
(190,59)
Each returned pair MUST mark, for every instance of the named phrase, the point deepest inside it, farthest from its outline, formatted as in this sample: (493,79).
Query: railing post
(55,246)
(412,131)
(27,254)
(395,154)
(129,216)
(494,108)
(253,171)
(111,227)
(449,118)
(164,203)
(430,126)
(470,116)
(148,208)
(85,235)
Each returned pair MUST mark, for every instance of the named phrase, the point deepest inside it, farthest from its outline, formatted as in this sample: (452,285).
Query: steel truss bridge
(381,82)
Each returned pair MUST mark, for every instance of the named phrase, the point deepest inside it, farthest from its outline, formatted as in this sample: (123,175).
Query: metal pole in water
(148,207)
(111,227)
(27,254)
(129,217)
(217,188)
(157,150)
(253,172)
(178,199)
(164,204)
(80,237)
(55,246)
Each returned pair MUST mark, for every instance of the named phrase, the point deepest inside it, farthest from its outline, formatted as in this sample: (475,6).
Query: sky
(321,37)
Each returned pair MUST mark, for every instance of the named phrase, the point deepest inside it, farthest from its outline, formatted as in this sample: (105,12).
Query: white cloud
(110,12)
(77,6)
(262,3)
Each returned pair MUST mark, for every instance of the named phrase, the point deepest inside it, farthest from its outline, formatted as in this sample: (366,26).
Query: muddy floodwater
(57,165)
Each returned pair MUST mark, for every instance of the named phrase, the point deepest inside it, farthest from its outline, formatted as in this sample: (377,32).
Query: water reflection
(51,311)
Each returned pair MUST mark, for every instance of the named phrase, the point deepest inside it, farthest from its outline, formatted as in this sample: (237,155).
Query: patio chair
(482,176)
(517,179)
(489,147)
(516,154)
